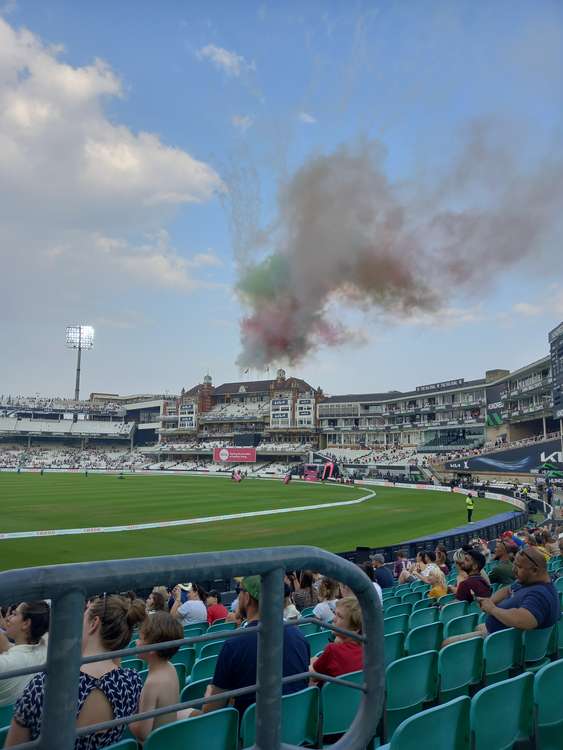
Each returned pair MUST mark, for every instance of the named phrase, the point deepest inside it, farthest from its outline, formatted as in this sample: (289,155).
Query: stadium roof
(390,395)
(261,386)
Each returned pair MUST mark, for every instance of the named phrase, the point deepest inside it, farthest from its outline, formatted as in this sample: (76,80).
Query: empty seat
(503,714)
(396,624)
(445,727)
(423,617)
(549,706)
(424,638)
(502,651)
(217,730)
(461,625)
(393,647)
(410,683)
(299,721)
(460,665)
(452,610)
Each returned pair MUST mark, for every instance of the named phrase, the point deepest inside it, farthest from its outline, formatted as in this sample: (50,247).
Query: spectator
(304,594)
(193,609)
(215,610)
(369,571)
(438,585)
(105,691)
(473,584)
(531,603)
(428,559)
(503,572)
(161,687)
(236,664)
(156,603)
(328,594)
(441,554)
(26,625)
(401,563)
(345,654)
(290,611)
(383,575)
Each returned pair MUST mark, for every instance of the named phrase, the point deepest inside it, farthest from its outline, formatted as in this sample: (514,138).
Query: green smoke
(266,280)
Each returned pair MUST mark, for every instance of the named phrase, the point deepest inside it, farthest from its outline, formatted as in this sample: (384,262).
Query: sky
(401,163)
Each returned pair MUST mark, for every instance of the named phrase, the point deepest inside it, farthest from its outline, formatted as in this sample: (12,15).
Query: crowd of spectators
(515,564)
(494,446)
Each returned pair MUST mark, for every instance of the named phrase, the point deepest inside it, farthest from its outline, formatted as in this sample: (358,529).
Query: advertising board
(234,455)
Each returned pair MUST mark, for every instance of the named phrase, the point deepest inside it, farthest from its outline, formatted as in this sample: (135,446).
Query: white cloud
(79,193)
(242,122)
(229,62)
(527,309)
(307,118)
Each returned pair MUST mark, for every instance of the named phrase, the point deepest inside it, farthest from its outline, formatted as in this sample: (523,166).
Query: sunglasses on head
(531,559)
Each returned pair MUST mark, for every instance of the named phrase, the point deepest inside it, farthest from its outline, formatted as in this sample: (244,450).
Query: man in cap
(236,664)
(383,575)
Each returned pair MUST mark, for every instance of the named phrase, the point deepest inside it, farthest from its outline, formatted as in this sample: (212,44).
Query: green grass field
(31,502)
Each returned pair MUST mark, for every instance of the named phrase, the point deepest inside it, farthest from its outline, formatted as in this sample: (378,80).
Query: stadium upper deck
(446,416)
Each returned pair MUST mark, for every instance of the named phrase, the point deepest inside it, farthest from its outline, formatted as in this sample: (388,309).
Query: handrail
(68,587)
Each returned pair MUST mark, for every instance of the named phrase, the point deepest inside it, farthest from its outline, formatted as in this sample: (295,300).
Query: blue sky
(130,226)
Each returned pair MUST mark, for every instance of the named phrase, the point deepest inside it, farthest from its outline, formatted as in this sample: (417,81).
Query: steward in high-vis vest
(469,504)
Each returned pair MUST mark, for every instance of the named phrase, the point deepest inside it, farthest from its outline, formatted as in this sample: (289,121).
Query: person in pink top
(345,654)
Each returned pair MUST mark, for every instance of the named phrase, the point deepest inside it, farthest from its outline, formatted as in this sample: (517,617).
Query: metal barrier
(69,586)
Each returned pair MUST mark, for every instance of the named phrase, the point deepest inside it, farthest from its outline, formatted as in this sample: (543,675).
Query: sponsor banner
(556,353)
(234,455)
(440,386)
(495,404)
(522,460)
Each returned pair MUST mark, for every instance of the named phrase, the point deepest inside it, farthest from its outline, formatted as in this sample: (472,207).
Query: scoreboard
(556,353)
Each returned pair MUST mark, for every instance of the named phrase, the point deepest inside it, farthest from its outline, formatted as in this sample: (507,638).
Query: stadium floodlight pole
(79,337)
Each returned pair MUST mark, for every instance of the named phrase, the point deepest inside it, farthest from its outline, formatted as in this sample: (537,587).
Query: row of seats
(520,709)
(498,716)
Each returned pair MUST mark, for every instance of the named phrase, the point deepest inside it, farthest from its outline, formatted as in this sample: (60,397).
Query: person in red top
(345,654)
(215,610)
(473,585)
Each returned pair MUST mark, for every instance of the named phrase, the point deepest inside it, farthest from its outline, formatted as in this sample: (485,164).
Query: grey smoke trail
(345,231)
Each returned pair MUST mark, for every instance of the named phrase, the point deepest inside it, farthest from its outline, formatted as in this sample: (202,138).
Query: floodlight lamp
(79,336)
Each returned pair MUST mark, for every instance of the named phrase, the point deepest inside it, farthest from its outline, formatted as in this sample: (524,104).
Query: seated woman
(345,654)
(26,625)
(328,593)
(438,584)
(106,691)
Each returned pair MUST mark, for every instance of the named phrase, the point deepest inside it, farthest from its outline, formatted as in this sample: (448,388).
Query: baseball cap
(252,584)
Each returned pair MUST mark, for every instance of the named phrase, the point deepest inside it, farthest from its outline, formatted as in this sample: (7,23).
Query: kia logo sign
(224,454)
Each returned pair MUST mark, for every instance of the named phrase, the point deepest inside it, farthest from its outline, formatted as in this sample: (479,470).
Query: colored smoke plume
(345,233)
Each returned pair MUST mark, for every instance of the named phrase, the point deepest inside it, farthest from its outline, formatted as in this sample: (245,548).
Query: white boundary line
(182,522)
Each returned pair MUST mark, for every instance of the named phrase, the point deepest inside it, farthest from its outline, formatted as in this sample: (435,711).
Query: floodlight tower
(79,337)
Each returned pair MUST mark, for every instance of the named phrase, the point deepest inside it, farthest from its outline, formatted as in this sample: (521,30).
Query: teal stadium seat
(208,648)
(393,647)
(444,727)
(194,690)
(460,666)
(410,683)
(203,668)
(536,645)
(318,641)
(549,706)
(461,625)
(398,609)
(502,652)
(339,704)
(128,744)
(217,730)
(6,713)
(452,610)
(424,638)
(221,627)
(299,721)
(396,624)
(503,714)
(423,617)
(185,656)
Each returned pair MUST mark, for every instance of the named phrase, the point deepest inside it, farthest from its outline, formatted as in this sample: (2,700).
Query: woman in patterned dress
(106,691)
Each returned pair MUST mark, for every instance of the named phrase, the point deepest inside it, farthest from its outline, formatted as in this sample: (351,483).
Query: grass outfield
(34,502)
